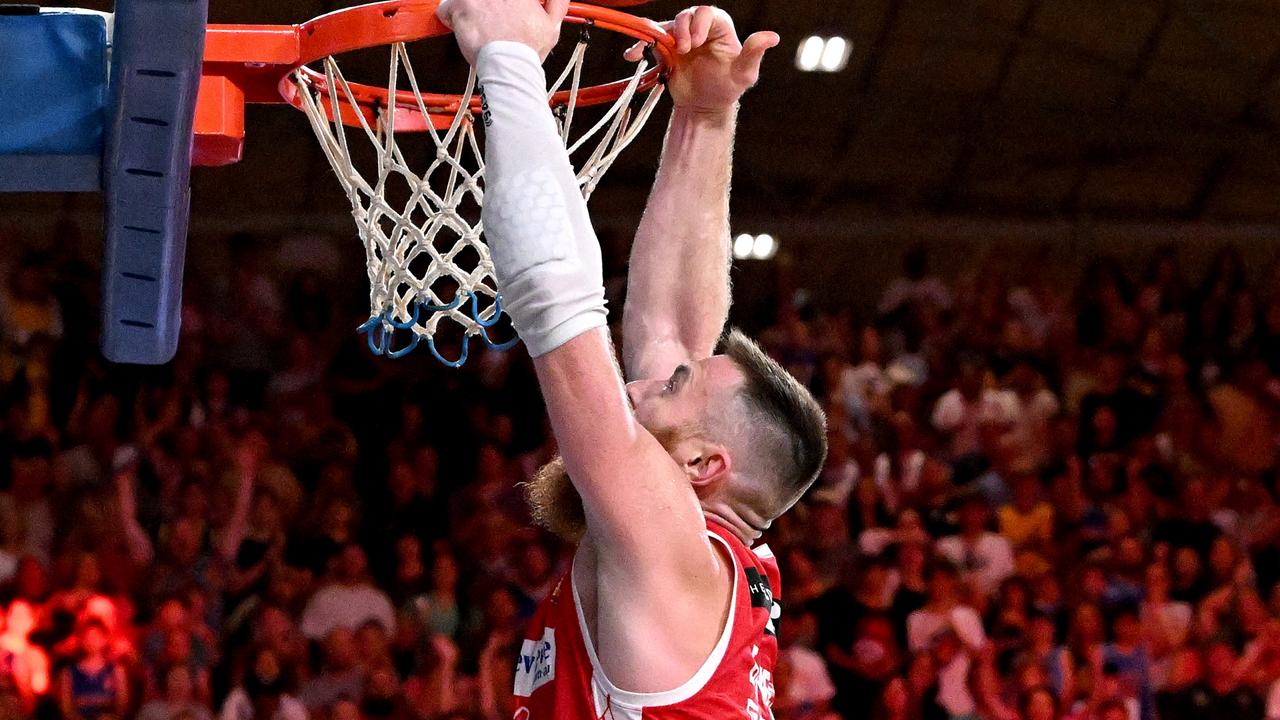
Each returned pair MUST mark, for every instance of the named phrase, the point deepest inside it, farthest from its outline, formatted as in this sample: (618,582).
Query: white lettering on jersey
(760,707)
(537,664)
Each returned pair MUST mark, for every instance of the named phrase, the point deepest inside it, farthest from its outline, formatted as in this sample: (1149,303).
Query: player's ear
(709,466)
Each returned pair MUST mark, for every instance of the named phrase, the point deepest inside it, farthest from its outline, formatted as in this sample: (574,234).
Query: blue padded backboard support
(158,50)
(53,86)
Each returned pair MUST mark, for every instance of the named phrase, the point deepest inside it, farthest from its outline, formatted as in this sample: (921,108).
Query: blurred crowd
(1041,502)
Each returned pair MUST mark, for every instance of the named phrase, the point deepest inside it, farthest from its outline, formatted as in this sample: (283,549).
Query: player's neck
(734,523)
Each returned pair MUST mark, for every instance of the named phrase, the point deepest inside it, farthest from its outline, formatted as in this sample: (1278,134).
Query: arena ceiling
(1128,109)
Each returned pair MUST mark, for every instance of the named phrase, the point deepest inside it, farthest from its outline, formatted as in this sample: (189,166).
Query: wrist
(505,55)
(725,115)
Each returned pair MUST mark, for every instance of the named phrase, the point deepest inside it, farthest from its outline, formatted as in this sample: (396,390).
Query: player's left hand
(715,68)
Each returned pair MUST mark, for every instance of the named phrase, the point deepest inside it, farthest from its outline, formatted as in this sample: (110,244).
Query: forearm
(545,253)
(136,540)
(678,291)
(138,543)
(238,526)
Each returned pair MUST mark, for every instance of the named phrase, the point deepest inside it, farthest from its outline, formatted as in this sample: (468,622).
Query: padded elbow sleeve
(545,253)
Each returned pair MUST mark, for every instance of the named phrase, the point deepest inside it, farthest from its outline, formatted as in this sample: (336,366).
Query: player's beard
(554,503)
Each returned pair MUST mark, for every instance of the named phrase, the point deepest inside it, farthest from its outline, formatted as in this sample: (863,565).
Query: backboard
(92,102)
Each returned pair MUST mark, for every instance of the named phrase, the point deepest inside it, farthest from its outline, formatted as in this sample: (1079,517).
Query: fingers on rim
(635,52)
(701,24)
(680,31)
(557,9)
(444,11)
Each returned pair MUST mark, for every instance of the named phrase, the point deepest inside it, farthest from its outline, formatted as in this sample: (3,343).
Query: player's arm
(637,501)
(678,290)
(547,261)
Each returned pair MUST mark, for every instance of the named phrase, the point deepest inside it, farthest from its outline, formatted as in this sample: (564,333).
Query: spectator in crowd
(985,558)
(1126,657)
(94,687)
(173,640)
(343,672)
(27,305)
(952,634)
(24,664)
(969,414)
(1026,522)
(1220,694)
(803,687)
(176,698)
(264,692)
(347,599)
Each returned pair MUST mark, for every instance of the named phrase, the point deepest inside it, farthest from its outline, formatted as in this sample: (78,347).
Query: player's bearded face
(554,502)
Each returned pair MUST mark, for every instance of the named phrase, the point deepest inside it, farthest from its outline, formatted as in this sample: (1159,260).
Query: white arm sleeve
(545,253)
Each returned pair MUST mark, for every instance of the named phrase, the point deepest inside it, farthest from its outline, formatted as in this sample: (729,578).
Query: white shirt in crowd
(862,388)
(810,685)
(902,291)
(238,706)
(923,626)
(984,563)
(1028,435)
(347,606)
(962,420)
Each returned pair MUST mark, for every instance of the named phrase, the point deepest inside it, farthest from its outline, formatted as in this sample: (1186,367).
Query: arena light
(809,56)
(764,247)
(823,54)
(755,247)
(835,56)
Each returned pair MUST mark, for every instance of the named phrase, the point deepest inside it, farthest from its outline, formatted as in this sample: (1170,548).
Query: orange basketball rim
(256,64)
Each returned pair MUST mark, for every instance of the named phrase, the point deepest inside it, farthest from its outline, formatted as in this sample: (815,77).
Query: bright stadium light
(810,53)
(821,54)
(764,248)
(835,56)
(755,247)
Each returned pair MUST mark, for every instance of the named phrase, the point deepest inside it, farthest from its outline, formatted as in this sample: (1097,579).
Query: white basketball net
(420,273)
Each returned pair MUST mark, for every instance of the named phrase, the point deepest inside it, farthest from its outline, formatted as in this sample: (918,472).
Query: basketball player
(666,612)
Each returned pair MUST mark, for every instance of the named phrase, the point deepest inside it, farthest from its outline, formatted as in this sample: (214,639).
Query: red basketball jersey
(558,676)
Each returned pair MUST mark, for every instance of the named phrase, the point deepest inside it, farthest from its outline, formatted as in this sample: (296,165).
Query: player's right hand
(476,23)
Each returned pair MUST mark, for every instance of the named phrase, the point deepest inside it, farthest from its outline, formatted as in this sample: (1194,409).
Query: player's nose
(634,392)
(642,391)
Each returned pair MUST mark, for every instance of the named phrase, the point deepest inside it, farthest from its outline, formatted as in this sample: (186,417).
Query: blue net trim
(380,330)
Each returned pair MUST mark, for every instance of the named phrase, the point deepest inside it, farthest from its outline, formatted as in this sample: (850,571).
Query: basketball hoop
(427,262)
